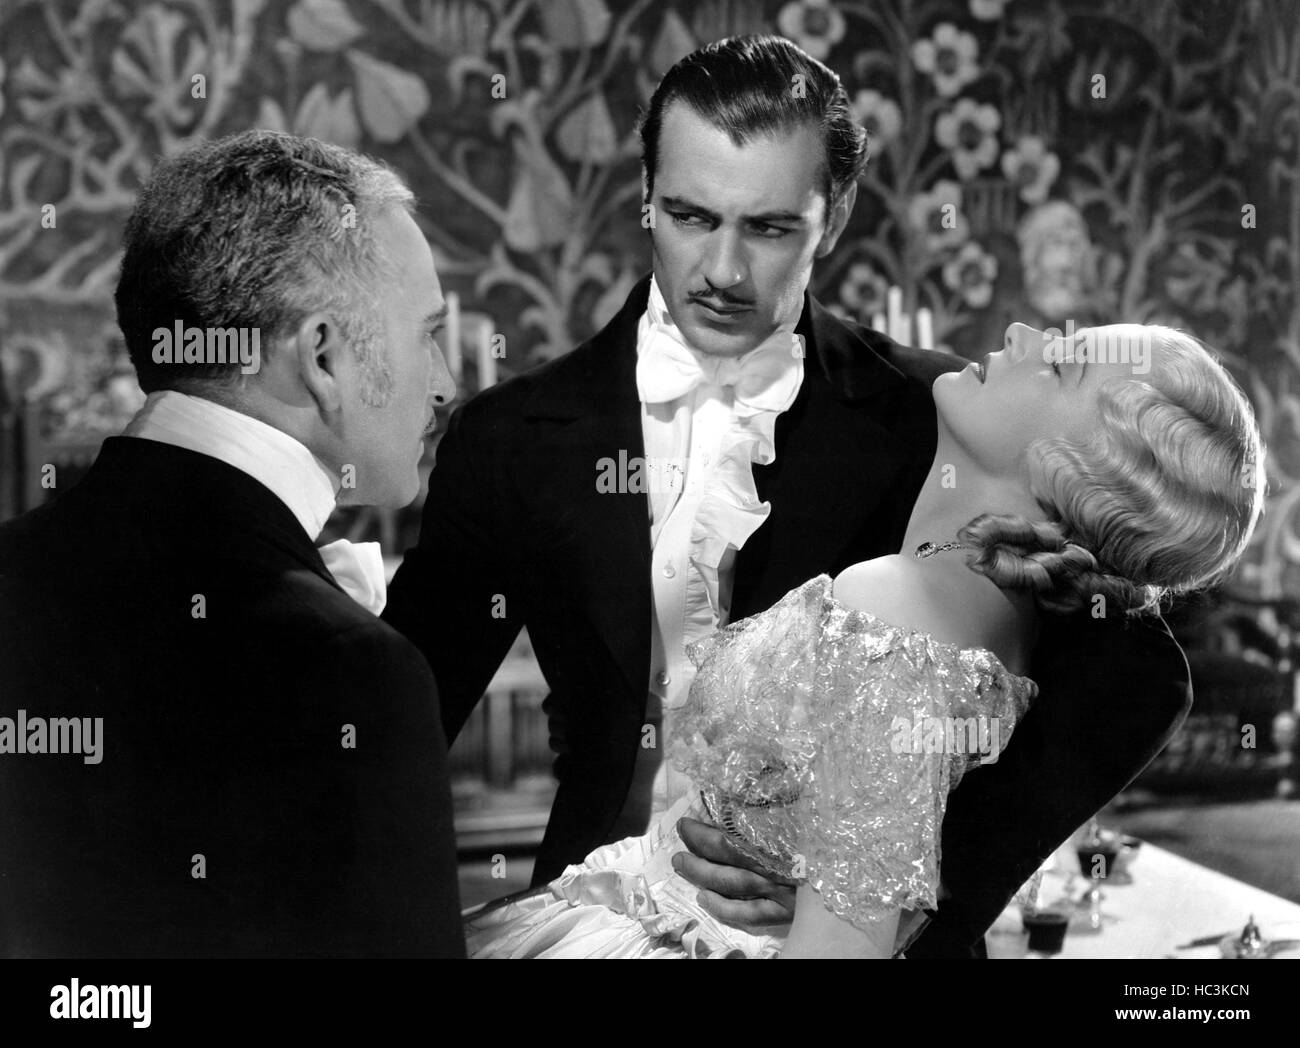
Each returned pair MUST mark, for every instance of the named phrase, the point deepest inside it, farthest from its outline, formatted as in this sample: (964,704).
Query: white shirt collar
(268,455)
(658,318)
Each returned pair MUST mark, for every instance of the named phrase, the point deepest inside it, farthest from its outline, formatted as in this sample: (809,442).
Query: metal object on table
(1250,944)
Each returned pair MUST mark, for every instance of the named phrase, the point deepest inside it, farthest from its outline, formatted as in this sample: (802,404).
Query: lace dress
(824,742)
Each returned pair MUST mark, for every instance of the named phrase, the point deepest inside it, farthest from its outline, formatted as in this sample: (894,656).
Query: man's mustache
(725,301)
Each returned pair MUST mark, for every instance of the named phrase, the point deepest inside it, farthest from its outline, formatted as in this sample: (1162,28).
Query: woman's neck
(955,492)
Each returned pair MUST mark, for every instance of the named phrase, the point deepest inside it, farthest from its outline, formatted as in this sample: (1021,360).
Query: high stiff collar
(764,379)
(600,375)
(268,455)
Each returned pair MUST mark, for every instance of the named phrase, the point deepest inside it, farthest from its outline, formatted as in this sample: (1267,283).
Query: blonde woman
(1105,470)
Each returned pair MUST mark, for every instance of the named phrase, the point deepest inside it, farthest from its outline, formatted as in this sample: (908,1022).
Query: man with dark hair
(751,86)
(722,441)
(268,772)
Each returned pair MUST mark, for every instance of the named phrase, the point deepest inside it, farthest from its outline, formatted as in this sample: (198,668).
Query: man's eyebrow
(686,205)
(683,204)
(777,216)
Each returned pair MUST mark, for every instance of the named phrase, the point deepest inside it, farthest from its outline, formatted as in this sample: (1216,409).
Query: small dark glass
(1046,931)
(1097,852)
(1097,859)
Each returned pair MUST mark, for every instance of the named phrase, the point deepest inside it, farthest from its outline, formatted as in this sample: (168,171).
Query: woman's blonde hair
(1160,500)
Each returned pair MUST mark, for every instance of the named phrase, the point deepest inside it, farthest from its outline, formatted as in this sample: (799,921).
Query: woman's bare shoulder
(948,601)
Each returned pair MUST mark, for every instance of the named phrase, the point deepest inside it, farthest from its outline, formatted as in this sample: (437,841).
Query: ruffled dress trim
(624,901)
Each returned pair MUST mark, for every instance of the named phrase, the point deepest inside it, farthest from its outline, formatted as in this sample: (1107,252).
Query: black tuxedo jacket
(181,601)
(516,533)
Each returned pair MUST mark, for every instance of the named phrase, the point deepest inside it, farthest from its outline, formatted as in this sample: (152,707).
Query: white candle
(487,367)
(453,355)
(924,328)
(879,323)
(895,301)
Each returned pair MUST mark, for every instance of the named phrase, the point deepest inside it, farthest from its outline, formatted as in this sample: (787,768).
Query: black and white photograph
(646,479)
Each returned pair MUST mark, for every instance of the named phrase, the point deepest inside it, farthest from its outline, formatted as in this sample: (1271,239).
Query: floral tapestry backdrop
(1067,160)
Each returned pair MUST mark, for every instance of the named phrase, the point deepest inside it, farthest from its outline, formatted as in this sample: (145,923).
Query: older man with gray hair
(272,776)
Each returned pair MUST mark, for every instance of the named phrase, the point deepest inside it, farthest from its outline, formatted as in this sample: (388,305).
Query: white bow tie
(359,568)
(766,378)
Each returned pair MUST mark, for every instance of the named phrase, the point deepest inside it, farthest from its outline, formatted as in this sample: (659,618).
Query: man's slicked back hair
(761,85)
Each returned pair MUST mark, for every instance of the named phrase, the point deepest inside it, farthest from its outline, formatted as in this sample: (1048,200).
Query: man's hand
(733,889)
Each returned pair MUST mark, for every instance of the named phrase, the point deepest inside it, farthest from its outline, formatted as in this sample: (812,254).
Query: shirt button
(669,571)
(663,678)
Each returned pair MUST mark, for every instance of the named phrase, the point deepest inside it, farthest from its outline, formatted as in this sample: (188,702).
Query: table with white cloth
(1164,902)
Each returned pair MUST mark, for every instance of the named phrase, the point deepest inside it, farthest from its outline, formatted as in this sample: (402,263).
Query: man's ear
(838,219)
(319,350)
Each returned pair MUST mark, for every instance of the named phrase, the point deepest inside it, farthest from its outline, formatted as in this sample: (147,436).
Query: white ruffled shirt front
(279,462)
(701,446)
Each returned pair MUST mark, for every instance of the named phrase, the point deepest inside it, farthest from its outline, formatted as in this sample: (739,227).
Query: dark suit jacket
(222,733)
(514,513)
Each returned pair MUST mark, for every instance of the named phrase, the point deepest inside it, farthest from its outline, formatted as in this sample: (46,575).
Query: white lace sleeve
(826,741)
